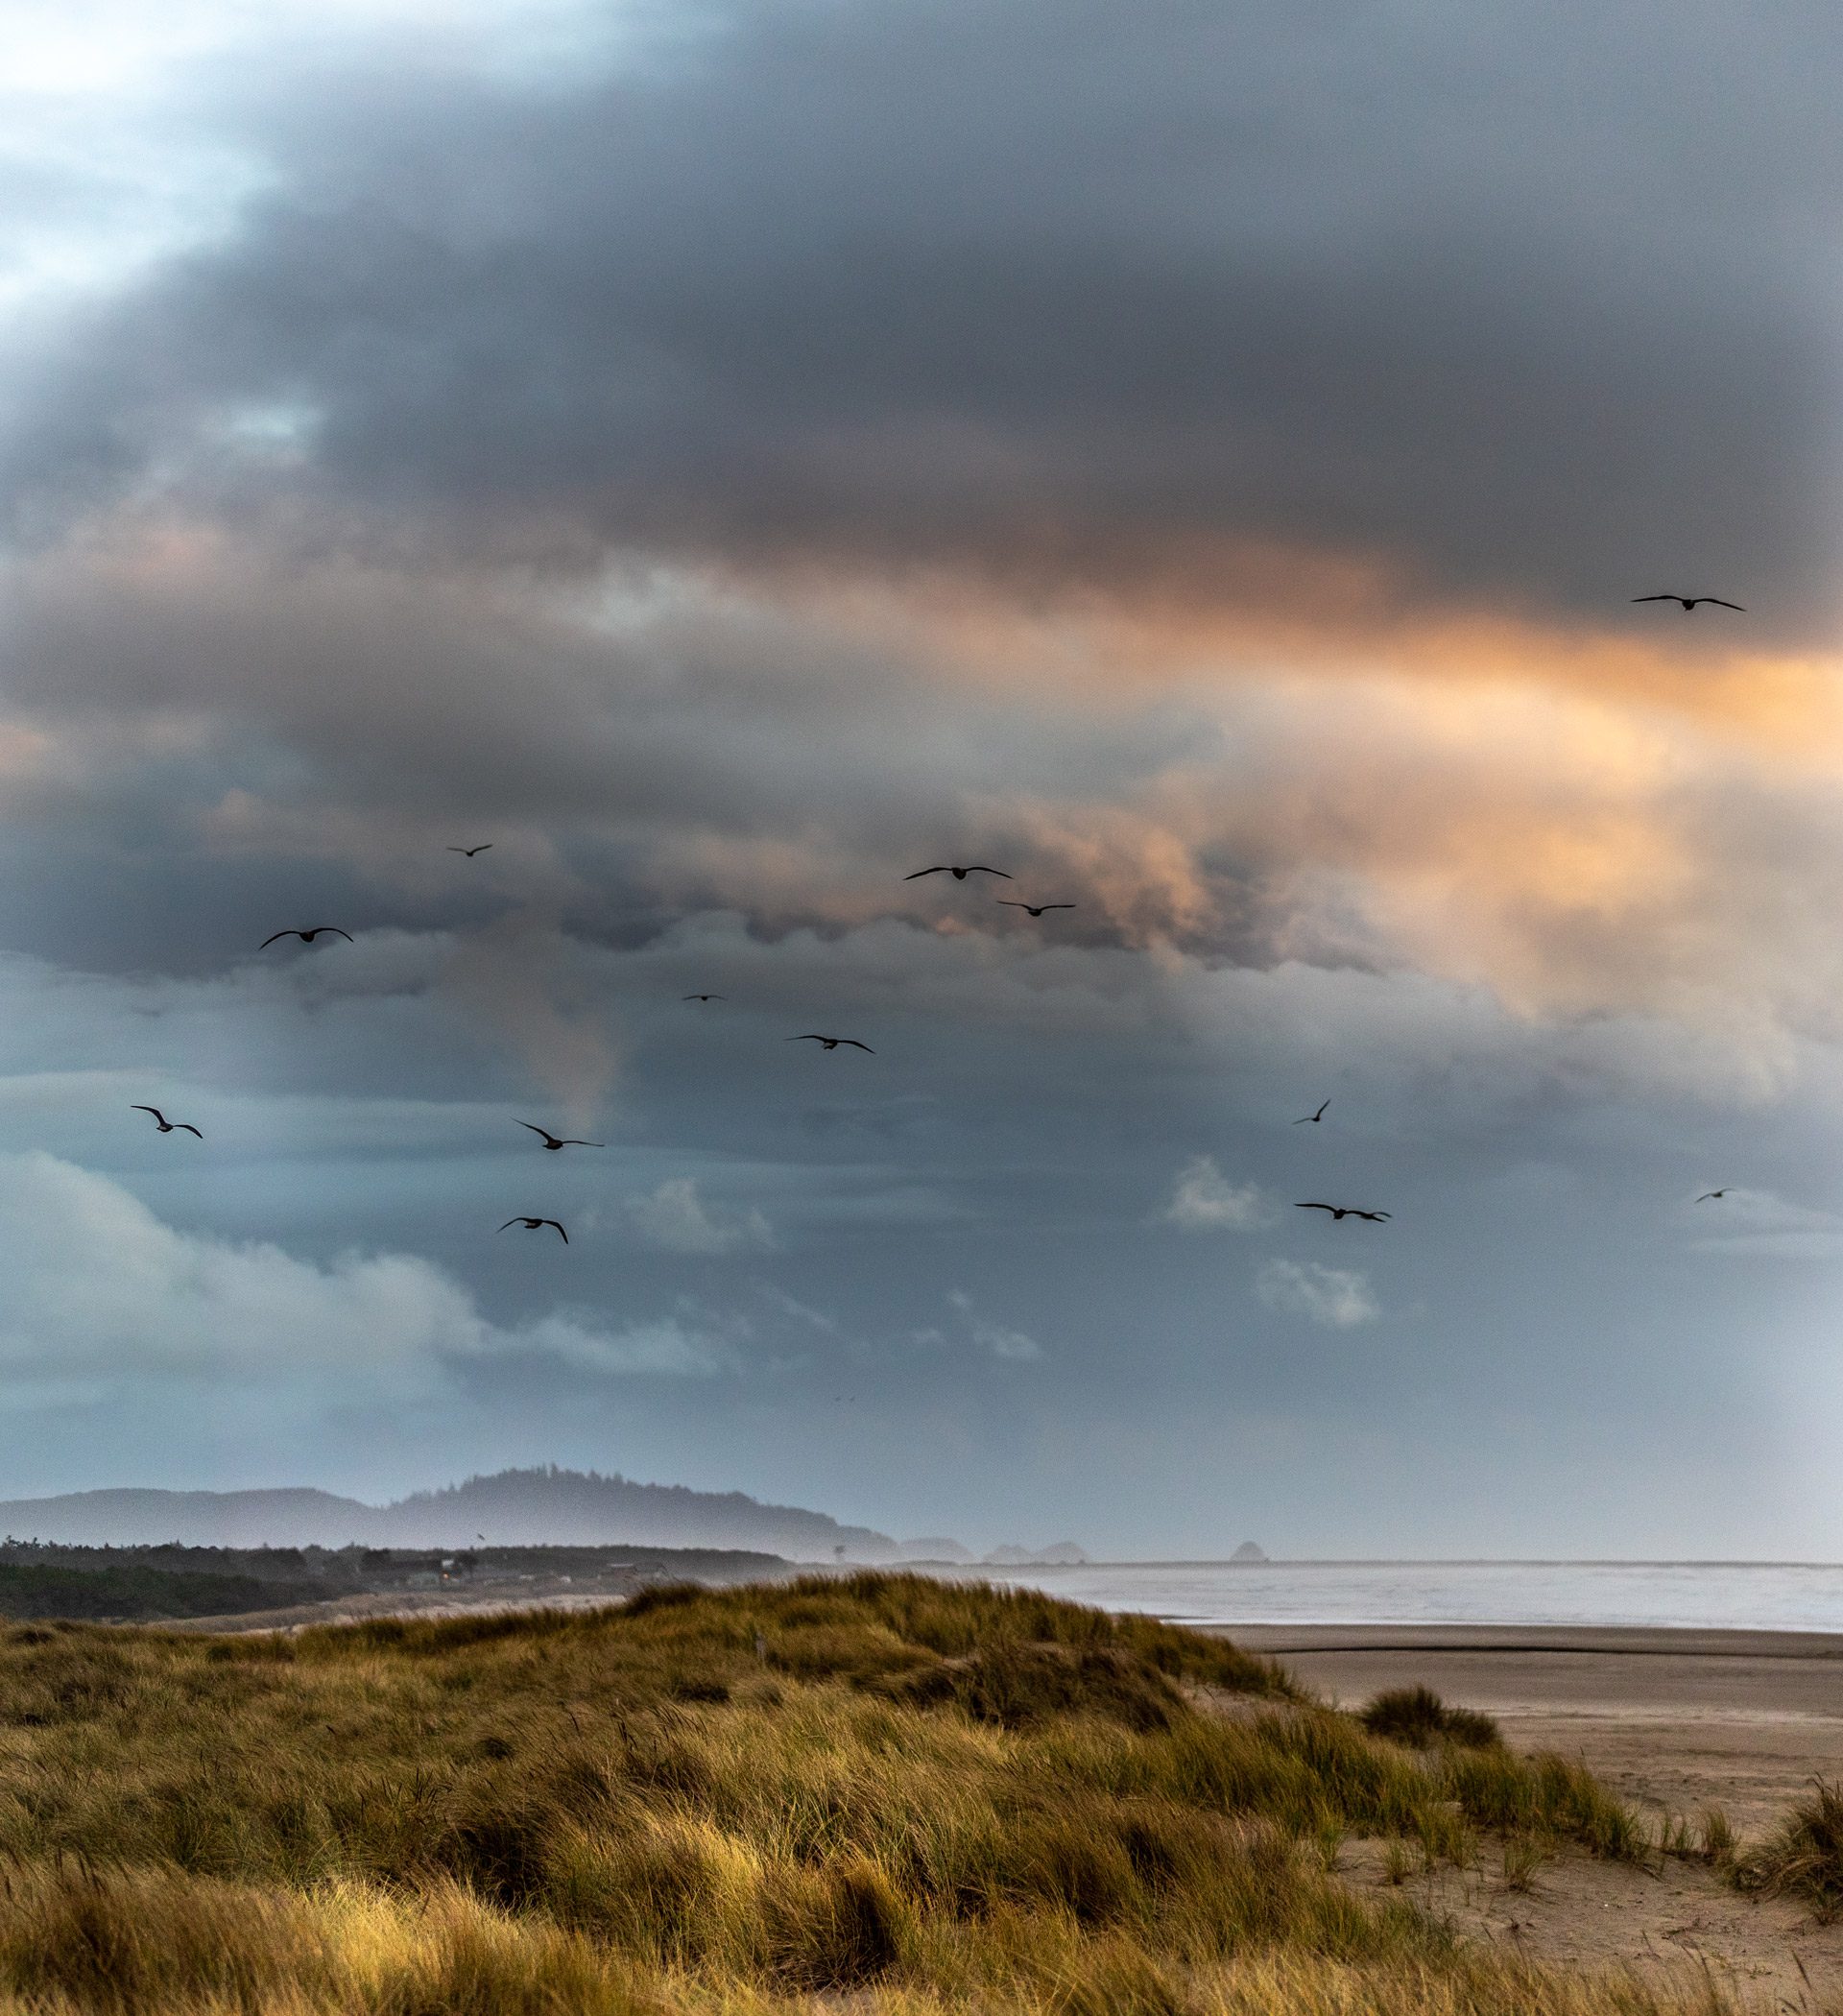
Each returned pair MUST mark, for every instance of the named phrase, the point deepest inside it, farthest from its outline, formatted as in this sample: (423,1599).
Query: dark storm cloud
(1539,304)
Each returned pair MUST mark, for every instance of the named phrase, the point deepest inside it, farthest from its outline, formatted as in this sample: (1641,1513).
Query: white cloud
(992,1336)
(1337,1297)
(675,1217)
(1204,1200)
(101,1294)
(672,1346)
(798,1311)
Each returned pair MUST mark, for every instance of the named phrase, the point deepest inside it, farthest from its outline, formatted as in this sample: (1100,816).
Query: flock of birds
(553,1144)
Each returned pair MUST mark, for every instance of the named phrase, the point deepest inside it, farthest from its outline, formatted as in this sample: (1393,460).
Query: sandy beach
(1673,1721)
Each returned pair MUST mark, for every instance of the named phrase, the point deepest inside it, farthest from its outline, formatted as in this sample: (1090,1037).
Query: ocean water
(1690,1595)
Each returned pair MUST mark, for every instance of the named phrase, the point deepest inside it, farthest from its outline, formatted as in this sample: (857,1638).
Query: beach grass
(1803,1858)
(920,1795)
(1418,1716)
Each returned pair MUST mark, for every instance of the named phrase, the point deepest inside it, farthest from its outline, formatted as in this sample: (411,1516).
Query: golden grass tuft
(1803,1858)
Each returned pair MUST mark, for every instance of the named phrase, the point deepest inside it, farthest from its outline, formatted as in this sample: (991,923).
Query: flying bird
(1344,1211)
(1689,602)
(165,1125)
(1311,1119)
(470,851)
(551,1142)
(305,937)
(1035,909)
(1707,1194)
(958,873)
(831,1042)
(535,1224)
(705,998)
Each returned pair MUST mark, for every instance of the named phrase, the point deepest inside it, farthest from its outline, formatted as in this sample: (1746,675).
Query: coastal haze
(724,460)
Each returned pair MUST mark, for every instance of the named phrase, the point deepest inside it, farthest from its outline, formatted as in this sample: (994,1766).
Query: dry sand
(1671,1721)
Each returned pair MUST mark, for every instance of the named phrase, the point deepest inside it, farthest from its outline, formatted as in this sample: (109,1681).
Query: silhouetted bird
(1689,602)
(1311,1119)
(1344,1211)
(832,1043)
(1707,1194)
(551,1142)
(470,851)
(958,873)
(707,998)
(165,1125)
(1035,909)
(534,1224)
(305,937)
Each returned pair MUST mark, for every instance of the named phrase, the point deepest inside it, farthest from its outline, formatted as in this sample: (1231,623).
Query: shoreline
(1626,1640)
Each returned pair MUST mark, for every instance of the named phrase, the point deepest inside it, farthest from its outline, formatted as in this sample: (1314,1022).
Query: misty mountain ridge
(539,1507)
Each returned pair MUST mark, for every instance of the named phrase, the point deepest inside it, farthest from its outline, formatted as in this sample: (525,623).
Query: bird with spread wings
(163,1124)
(553,1142)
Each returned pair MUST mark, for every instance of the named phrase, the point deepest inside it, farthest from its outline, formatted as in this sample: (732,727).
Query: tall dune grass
(1803,1858)
(925,1796)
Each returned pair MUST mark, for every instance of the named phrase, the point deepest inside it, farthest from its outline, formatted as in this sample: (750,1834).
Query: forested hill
(537,1507)
(572,1507)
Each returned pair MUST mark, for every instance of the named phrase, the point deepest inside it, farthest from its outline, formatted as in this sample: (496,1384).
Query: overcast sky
(729,454)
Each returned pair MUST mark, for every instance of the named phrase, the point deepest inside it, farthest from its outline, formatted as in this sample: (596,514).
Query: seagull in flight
(551,1142)
(305,937)
(706,996)
(958,873)
(534,1224)
(1689,602)
(1708,1194)
(831,1042)
(1344,1211)
(470,851)
(1311,1119)
(1035,909)
(165,1125)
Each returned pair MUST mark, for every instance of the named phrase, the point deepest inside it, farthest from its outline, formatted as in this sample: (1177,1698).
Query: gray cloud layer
(1543,311)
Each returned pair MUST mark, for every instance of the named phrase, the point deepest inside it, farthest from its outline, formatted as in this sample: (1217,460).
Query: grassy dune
(886,1793)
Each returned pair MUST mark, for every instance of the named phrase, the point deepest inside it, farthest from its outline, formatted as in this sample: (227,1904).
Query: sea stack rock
(1248,1552)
